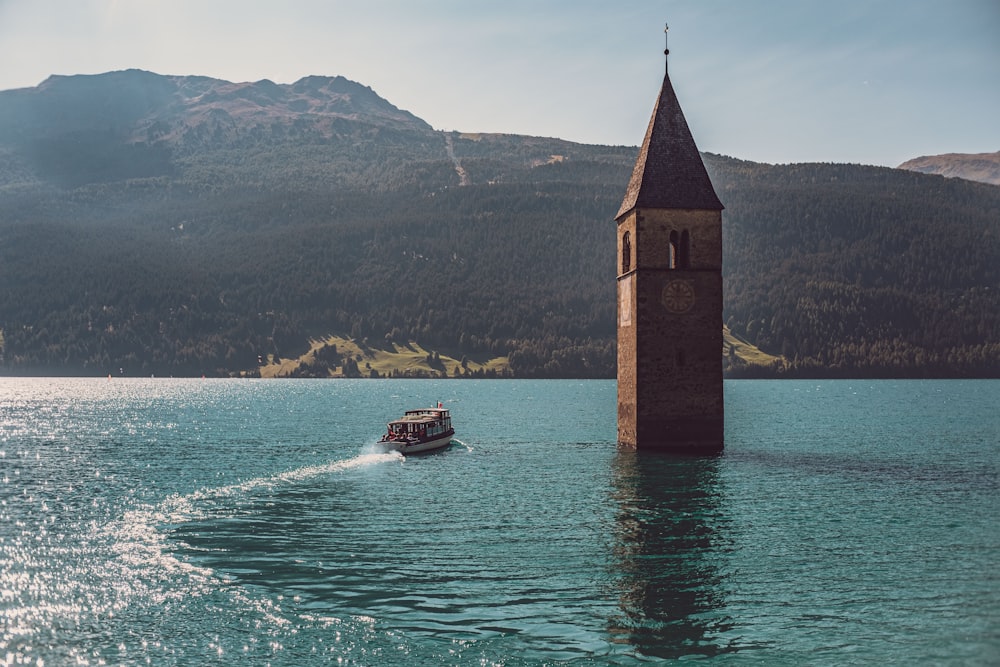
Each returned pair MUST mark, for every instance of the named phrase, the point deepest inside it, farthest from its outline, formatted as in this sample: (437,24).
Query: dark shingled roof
(669,172)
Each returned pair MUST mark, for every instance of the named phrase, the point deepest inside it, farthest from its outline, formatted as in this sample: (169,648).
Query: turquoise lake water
(190,522)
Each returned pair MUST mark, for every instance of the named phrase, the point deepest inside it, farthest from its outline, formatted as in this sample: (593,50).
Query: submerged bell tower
(670,293)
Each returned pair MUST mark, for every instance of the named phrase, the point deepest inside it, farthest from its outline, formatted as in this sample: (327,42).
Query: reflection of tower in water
(667,548)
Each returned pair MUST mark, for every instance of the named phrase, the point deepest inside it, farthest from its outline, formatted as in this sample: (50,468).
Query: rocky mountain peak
(127,103)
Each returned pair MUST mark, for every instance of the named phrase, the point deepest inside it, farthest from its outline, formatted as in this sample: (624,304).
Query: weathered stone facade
(670,294)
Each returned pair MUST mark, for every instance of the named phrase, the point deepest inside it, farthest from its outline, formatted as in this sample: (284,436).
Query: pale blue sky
(862,81)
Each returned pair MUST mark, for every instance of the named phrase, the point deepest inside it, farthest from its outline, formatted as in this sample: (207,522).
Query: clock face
(678,296)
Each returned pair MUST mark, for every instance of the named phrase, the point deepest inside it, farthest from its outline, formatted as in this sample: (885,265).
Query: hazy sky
(863,81)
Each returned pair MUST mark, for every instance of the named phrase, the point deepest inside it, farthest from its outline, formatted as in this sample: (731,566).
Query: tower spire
(669,172)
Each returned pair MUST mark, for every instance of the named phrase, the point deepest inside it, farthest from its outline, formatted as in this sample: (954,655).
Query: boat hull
(419,446)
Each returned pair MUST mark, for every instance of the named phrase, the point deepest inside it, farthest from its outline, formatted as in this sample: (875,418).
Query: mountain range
(182,225)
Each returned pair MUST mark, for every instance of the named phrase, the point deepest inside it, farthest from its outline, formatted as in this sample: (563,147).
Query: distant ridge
(143,106)
(90,128)
(982,167)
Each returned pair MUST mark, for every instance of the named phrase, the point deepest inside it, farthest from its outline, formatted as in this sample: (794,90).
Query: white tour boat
(419,430)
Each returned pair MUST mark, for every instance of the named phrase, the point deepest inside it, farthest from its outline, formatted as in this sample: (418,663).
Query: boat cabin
(422,423)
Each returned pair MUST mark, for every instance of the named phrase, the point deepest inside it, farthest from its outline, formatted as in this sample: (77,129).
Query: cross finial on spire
(666,51)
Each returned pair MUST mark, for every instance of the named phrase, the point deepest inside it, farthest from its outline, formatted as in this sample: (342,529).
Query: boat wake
(131,564)
(184,506)
(456,441)
(143,551)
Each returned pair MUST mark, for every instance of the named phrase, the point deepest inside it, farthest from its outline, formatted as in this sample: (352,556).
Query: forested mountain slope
(183,225)
(863,270)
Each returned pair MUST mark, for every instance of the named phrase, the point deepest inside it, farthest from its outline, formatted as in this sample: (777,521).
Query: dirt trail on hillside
(463,176)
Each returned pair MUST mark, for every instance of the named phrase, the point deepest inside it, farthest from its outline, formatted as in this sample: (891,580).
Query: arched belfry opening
(670,293)
(626,252)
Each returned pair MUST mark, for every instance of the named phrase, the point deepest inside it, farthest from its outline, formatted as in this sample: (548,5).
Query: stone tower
(670,293)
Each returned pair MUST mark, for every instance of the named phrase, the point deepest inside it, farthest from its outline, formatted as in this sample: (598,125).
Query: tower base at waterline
(680,435)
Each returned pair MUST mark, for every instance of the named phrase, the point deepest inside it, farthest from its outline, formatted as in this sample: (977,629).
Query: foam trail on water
(177,508)
(141,552)
(459,442)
